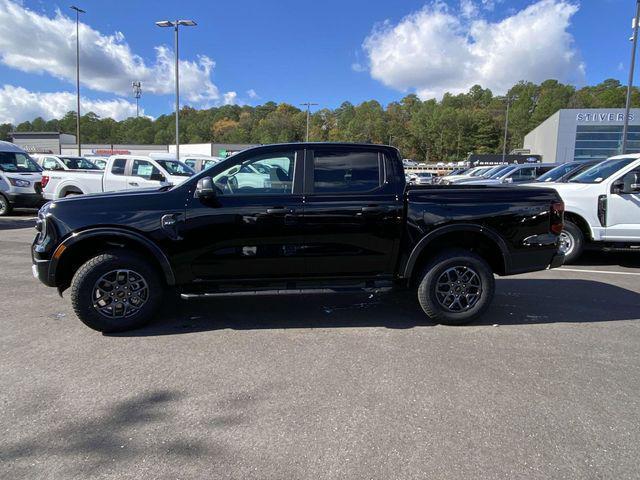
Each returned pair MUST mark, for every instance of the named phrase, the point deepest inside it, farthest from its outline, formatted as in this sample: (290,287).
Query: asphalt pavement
(545,386)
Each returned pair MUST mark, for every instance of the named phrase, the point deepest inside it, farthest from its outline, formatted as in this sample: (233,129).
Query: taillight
(557,217)
(44,181)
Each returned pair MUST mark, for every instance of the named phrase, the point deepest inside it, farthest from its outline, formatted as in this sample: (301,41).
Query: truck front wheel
(115,291)
(571,242)
(456,287)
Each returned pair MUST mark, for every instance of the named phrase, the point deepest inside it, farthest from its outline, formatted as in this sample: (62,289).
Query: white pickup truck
(122,172)
(602,207)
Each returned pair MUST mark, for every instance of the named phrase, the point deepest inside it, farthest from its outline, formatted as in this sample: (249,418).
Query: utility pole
(634,39)
(308,105)
(506,130)
(78,12)
(175,25)
(137,93)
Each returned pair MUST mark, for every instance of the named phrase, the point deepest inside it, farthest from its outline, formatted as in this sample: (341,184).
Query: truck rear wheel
(456,287)
(115,291)
(571,242)
(5,206)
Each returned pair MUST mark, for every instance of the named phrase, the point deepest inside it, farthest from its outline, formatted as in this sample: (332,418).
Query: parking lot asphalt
(546,385)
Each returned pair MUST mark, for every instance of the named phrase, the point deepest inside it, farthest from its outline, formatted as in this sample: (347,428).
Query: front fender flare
(116,233)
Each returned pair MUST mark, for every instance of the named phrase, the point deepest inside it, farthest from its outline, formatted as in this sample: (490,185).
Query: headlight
(16,182)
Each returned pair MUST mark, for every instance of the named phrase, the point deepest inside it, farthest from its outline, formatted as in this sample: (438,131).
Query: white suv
(602,206)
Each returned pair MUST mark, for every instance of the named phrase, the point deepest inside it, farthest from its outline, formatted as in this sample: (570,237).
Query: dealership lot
(340,386)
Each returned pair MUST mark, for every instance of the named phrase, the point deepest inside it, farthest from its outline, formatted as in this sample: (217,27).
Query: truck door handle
(133,184)
(279,210)
(370,210)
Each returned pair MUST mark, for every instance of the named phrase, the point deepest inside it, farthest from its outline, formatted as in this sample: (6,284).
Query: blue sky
(291,51)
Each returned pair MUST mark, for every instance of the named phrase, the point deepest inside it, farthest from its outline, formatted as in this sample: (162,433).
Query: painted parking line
(609,272)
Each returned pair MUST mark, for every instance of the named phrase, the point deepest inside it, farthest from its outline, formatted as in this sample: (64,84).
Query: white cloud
(435,50)
(18,104)
(251,93)
(468,8)
(230,98)
(32,42)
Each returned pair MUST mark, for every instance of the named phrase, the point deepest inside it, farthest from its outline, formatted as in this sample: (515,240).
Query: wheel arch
(77,249)
(480,239)
(580,222)
(66,188)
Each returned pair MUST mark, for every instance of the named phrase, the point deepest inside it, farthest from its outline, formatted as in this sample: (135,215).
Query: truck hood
(563,187)
(100,195)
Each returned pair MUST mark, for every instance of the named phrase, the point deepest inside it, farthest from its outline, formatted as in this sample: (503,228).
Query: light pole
(78,12)
(308,104)
(137,92)
(175,24)
(625,125)
(506,130)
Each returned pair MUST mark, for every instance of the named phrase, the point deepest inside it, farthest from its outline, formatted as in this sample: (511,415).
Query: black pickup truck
(292,217)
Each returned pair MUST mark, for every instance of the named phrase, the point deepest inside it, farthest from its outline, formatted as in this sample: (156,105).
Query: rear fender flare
(460,227)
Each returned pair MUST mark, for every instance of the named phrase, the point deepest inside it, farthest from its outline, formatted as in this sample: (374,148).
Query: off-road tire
(444,261)
(83,288)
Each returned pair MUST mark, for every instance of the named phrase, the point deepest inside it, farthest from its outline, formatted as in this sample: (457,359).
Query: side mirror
(630,183)
(205,188)
(158,177)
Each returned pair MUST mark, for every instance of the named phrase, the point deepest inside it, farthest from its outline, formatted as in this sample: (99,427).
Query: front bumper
(40,268)
(25,200)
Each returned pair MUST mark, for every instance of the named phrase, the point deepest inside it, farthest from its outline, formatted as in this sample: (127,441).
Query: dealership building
(583,134)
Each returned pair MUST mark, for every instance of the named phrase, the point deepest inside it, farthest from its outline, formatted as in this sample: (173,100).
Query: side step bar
(293,291)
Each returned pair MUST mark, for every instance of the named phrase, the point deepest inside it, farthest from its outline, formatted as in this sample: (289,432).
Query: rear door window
(343,171)
(119,166)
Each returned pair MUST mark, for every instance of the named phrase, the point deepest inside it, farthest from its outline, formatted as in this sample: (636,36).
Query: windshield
(478,171)
(78,163)
(17,162)
(500,171)
(506,171)
(602,171)
(174,167)
(556,173)
(492,171)
(424,174)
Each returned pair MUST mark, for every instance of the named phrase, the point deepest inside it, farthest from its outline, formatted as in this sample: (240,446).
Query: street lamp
(137,93)
(634,39)
(175,24)
(78,12)
(309,104)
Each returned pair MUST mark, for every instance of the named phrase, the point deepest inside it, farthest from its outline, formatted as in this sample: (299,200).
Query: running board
(293,291)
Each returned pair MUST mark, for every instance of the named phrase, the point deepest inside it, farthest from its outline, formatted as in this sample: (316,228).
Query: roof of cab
(10,147)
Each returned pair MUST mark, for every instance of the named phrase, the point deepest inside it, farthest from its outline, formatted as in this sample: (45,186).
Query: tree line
(430,130)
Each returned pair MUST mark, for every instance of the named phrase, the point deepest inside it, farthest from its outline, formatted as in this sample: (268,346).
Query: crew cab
(602,207)
(322,216)
(123,172)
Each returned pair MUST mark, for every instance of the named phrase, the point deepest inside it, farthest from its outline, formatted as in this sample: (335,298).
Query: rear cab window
(340,170)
